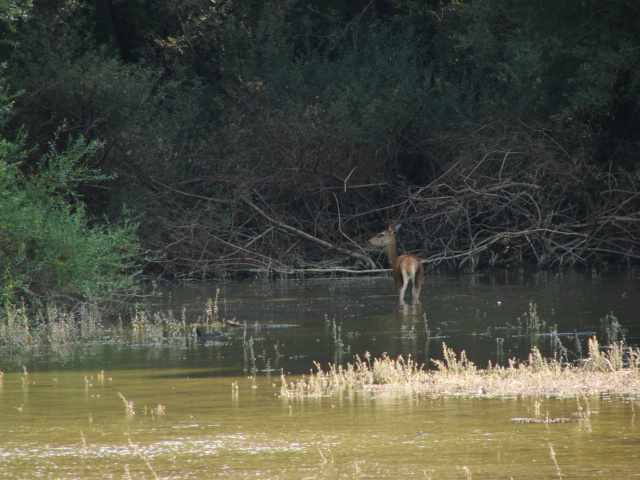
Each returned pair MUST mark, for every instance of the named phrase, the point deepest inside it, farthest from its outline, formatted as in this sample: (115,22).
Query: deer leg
(417,282)
(402,288)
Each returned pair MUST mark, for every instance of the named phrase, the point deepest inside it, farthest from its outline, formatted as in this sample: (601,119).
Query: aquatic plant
(14,328)
(211,318)
(451,365)
(250,357)
(144,458)
(534,324)
(22,331)
(158,410)
(159,327)
(128,405)
(456,376)
(336,331)
(552,454)
(613,331)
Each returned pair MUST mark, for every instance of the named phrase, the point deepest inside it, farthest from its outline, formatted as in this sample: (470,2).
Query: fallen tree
(528,200)
(511,197)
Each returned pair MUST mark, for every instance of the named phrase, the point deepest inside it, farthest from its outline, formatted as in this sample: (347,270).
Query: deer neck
(392,251)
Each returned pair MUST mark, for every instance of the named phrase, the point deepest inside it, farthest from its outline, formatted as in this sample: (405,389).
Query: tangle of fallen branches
(490,200)
(537,204)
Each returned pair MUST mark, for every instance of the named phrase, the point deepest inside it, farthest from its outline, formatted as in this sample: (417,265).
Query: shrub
(50,249)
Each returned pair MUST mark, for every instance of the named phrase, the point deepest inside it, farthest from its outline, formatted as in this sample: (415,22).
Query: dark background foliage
(252,136)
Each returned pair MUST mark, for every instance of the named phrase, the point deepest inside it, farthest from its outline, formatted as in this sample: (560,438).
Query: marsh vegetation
(289,382)
(456,376)
(573,364)
(23,331)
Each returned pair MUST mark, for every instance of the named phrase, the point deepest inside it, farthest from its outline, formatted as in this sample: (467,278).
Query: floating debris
(545,420)
(234,323)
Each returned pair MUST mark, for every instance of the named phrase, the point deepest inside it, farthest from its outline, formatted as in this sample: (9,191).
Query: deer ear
(396,227)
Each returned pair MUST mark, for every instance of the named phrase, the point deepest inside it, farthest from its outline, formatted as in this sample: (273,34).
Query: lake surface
(213,410)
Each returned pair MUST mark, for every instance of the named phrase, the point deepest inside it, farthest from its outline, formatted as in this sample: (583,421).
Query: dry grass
(22,331)
(456,376)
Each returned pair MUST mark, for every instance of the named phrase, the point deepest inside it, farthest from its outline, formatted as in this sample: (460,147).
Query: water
(62,418)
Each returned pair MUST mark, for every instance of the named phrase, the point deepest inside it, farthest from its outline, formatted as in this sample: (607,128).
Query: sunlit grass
(614,371)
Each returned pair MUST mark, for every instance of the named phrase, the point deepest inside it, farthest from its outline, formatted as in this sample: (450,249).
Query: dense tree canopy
(253,136)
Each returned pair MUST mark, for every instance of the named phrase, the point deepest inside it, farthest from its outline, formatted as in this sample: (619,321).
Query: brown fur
(405,268)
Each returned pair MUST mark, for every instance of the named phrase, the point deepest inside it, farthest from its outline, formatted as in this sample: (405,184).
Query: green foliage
(11,12)
(88,90)
(368,83)
(575,63)
(50,252)
(200,102)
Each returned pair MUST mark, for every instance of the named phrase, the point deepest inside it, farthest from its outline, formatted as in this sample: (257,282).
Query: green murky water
(61,417)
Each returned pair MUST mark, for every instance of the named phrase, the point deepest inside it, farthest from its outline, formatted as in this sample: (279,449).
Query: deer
(405,267)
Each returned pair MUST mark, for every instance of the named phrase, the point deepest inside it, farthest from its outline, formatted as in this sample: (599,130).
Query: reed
(158,410)
(467,472)
(456,376)
(14,328)
(250,357)
(58,329)
(144,458)
(213,310)
(552,454)
(128,405)
(84,443)
(358,468)
(427,330)
(337,335)
(533,322)
(582,414)
(452,365)
(612,329)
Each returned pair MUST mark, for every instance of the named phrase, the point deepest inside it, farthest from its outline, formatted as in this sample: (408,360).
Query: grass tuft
(456,376)
(23,332)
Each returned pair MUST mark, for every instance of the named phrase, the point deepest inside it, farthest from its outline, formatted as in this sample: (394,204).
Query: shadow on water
(212,409)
